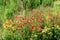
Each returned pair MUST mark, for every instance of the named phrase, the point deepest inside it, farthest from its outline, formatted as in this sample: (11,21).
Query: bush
(42,24)
(31,3)
(56,5)
(38,26)
(47,2)
(8,8)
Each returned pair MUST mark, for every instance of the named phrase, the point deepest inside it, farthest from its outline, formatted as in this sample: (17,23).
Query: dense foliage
(29,20)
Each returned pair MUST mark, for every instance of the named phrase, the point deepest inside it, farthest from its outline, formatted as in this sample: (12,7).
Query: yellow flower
(58,26)
(45,29)
(35,35)
(31,39)
(50,33)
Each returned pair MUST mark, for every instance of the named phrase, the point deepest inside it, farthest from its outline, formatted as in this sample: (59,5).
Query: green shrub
(47,2)
(56,5)
(8,8)
(31,3)
(57,33)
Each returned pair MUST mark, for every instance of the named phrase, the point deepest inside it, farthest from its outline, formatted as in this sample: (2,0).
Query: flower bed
(39,25)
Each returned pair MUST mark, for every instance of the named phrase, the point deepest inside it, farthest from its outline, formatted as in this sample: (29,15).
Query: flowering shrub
(21,20)
(39,25)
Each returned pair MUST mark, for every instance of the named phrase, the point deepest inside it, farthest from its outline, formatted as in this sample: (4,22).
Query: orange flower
(39,20)
(20,26)
(8,20)
(25,20)
(15,23)
(40,29)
